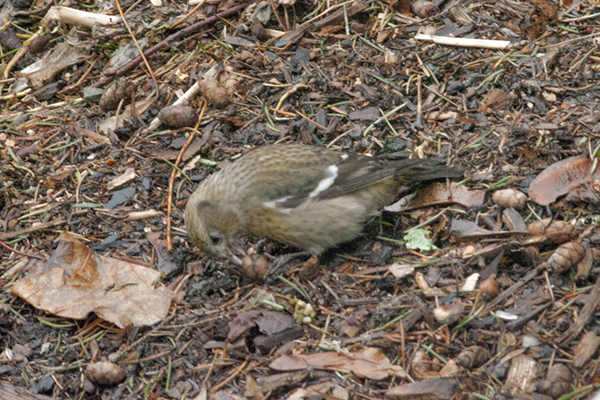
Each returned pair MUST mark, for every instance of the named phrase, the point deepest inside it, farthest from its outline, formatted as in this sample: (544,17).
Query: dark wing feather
(293,185)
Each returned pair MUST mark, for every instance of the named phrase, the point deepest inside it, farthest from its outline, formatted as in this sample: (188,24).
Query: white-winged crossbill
(309,197)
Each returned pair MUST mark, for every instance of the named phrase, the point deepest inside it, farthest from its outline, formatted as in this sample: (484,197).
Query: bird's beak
(236,248)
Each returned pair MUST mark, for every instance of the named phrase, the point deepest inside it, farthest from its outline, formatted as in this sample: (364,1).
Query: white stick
(466,42)
(77,17)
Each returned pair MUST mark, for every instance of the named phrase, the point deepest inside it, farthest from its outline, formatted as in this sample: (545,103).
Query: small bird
(305,196)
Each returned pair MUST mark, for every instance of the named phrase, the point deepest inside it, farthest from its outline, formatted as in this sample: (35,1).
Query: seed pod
(40,43)
(255,266)
(309,270)
(585,265)
(421,281)
(557,383)
(178,116)
(556,232)
(215,93)
(473,357)
(508,198)
(489,288)
(548,225)
(105,373)
(425,9)
(566,256)
(121,90)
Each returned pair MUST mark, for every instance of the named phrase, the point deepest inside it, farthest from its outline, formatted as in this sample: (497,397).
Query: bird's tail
(428,169)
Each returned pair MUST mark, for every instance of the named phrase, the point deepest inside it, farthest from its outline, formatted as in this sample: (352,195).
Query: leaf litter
(504,302)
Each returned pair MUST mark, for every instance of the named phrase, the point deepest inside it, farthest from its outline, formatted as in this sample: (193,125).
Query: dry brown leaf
(367,363)
(215,92)
(572,176)
(523,375)
(75,281)
(438,193)
(268,322)
(430,389)
(401,270)
(586,349)
(326,390)
(496,100)
(547,8)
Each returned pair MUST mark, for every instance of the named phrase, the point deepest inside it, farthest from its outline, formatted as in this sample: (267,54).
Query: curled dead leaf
(423,366)
(310,269)
(421,281)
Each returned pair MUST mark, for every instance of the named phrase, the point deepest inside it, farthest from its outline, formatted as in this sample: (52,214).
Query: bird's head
(215,227)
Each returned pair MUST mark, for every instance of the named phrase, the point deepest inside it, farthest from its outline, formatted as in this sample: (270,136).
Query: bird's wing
(319,176)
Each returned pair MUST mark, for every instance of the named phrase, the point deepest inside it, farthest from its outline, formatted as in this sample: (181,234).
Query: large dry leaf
(367,363)
(76,281)
(572,176)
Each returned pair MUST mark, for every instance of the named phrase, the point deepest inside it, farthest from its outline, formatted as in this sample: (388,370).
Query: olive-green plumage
(305,196)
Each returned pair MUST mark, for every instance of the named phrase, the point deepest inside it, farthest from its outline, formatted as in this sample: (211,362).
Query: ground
(476,304)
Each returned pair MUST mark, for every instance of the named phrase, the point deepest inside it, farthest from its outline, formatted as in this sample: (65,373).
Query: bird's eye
(215,240)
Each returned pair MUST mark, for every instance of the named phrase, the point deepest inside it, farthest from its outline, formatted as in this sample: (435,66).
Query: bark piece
(523,375)
(586,349)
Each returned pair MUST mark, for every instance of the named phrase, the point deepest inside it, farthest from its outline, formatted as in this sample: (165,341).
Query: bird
(309,197)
